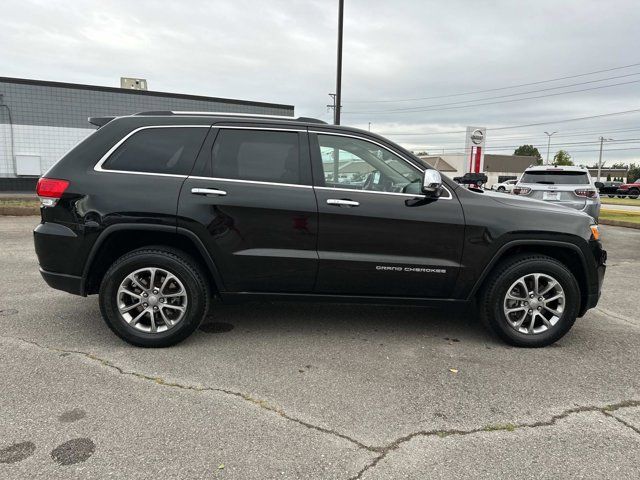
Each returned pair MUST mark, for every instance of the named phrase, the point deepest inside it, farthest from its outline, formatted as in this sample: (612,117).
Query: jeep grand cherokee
(160,211)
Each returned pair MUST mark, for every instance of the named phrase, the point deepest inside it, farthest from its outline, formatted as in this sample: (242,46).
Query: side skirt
(240,297)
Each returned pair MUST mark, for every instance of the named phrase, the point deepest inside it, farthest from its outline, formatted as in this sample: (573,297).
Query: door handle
(208,191)
(342,203)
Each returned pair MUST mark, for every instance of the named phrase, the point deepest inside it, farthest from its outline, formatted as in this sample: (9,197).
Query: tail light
(521,191)
(586,193)
(50,190)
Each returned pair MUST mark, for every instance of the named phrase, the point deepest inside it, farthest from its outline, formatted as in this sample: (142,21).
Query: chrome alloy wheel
(534,303)
(152,300)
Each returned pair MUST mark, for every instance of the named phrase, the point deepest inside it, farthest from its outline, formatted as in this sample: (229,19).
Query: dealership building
(41,120)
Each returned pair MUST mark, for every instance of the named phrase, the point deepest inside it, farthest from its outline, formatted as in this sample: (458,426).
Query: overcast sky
(284,51)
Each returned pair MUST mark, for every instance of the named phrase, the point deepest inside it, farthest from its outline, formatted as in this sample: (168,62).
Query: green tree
(608,177)
(422,154)
(529,151)
(562,158)
(634,173)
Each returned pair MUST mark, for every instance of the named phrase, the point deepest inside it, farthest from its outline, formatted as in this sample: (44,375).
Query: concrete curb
(619,223)
(19,211)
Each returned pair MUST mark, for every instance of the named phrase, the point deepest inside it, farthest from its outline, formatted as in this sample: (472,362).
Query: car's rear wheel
(634,193)
(501,189)
(610,196)
(530,301)
(154,297)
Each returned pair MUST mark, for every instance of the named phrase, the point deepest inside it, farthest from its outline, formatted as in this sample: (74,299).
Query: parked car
(472,180)
(506,187)
(631,190)
(609,188)
(569,186)
(160,212)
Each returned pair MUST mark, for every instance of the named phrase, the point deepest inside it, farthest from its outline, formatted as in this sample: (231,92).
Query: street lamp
(548,145)
(602,140)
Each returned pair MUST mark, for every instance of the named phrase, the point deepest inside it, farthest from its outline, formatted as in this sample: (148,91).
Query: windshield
(553,178)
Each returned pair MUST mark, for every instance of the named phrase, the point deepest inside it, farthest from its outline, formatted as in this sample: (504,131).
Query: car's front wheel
(154,297)
(530,301)
(634,193)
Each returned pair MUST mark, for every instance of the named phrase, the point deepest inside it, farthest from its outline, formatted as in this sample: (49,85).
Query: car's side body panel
(264,239)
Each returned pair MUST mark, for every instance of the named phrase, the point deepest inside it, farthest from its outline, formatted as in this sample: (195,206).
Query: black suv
(161,211)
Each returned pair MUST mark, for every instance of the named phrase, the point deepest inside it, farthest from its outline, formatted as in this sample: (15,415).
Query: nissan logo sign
(477,136)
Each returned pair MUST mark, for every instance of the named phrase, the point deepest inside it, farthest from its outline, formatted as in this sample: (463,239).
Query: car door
(251,202)
(375,236)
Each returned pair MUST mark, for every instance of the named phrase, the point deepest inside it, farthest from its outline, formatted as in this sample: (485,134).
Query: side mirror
(599,185)
(432,183)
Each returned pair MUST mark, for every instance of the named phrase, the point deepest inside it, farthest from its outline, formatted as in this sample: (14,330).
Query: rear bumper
(60,281)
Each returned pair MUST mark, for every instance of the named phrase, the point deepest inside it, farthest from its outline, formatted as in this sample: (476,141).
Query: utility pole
(338,99)
(602,140)
(369,126)
(548,145)
(332,105)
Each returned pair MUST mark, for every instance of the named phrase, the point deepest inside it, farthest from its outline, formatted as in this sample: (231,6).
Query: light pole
(602,140)
(369,126)
(336,112)
(548,145)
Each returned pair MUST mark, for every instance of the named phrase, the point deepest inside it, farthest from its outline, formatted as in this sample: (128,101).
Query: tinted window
(353,163)
(158,150)
(266,156)
(553,178)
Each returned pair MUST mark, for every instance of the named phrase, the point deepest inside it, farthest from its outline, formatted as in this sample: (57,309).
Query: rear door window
(555,178)
(257,155)
(165,150)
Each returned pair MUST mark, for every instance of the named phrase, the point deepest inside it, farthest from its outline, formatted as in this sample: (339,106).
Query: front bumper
(595,287)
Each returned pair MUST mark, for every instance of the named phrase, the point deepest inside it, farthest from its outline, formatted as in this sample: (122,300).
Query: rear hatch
(565,187)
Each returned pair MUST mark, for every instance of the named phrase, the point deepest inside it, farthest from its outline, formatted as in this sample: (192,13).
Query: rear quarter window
(166,150)
(556,178)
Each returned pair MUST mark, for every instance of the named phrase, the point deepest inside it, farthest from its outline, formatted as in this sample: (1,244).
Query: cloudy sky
(411,67)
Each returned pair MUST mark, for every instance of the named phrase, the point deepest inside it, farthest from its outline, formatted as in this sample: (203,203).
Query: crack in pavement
(509,427)
(161,381)
(381,451)
(623,422)
(615,315)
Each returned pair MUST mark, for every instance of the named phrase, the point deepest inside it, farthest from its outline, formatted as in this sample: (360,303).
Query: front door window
(361,165)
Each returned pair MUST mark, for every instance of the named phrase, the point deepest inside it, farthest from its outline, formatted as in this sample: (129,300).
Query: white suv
(569,186)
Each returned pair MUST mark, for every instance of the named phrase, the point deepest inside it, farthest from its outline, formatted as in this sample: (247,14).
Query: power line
(555,145)
(461,152)
(577,119)
(508,95)
(528,140)
(421,109)
(498,88)
(532,138)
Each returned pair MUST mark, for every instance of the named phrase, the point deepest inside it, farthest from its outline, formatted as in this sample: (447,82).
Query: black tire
(178,264)
(495,288)
(610,196)
(634,193)
(501,189)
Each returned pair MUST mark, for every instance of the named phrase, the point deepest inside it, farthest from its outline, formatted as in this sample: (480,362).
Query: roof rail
(231,114)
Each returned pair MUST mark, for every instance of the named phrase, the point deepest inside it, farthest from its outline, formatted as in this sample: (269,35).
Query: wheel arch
(116,240)
(566,253)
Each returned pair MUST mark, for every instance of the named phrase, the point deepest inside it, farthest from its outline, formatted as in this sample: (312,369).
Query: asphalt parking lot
(275,390)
